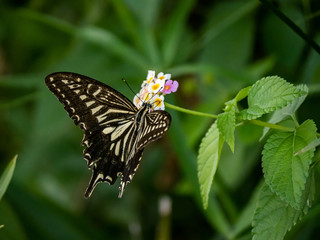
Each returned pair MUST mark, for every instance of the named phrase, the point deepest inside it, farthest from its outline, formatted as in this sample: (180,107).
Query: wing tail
(129,171)
(106,170)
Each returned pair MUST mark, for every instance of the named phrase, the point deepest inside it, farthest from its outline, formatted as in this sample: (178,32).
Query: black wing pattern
(115,131)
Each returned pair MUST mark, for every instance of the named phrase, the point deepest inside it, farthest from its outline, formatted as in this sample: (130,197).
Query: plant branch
(255,122)
(270,125)
(292,25)
(180,109)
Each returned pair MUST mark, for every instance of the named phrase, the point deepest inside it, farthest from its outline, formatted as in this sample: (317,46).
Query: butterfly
(115,130)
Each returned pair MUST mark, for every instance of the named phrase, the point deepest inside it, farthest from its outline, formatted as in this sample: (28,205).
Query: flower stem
(254,121)
(190,111)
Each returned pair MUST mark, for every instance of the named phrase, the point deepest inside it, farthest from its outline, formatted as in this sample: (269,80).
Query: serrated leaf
(267,95)
(208,158)
(273,217)
(285,173)
(308,194)
(252,113)
(6,176)
(226,123)
(289,110)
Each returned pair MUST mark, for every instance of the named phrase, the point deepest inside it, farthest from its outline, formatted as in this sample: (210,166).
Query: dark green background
(213,48)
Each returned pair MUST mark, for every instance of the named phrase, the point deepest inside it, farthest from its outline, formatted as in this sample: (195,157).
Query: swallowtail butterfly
(115,131)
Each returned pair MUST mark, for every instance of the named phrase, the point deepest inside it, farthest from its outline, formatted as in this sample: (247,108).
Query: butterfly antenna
(131,88)
(154,95)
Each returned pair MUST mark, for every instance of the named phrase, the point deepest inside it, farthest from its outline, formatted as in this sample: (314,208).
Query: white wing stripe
(90,103)
(96,109)
(120,130)
(108,130)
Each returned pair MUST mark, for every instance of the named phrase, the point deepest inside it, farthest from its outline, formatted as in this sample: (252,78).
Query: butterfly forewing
(113,137)
(89,102)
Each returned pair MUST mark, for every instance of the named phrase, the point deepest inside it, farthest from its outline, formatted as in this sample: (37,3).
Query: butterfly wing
(105,116)
(114,140)
(89,103)
(153,126)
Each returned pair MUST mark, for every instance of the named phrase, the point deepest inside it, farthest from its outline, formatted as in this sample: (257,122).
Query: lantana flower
(158,102)
(170,86)
(153,90)
(164,77)
(156,86)
(150,76)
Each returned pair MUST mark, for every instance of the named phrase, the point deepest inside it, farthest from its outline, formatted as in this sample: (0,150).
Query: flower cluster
(153,90)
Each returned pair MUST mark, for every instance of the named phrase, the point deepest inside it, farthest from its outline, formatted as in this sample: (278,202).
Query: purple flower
(170,86)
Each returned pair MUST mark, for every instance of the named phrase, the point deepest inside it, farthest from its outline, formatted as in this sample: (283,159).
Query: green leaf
(274,217)
(7,175)
(208,158)
(267,95)
(226,123)
(284,172)
(242,93)
(288,111)
(310,146)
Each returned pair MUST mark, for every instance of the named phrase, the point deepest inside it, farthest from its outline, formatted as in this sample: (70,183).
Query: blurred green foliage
(213,48)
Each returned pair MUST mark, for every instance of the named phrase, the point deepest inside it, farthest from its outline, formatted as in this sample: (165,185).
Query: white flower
(150,77)
(164,77)
(153,90)
(144,84)
(144,94)
(156,87)
(158,102)
(137,102)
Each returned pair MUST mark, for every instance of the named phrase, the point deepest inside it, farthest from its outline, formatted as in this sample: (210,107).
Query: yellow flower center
(149,80)
(157,102)
(162,77)
(167,87)
(155,86)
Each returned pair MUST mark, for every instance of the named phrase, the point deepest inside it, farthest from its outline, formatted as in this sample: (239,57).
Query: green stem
(180,109)
(270,125)
(255,122)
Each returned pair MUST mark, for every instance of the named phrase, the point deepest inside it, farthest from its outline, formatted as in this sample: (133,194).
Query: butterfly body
(115,131)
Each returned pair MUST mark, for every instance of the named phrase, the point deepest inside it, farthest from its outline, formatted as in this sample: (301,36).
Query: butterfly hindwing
(153,127)
(114,134)
(155,124)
